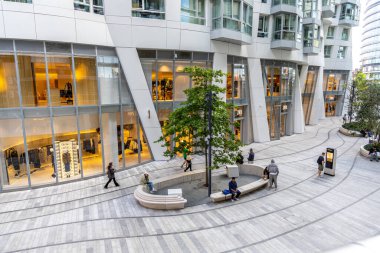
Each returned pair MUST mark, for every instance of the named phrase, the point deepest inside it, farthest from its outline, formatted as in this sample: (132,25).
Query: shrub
(372,145)
(354,126)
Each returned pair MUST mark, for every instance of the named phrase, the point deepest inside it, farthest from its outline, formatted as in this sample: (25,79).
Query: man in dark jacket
(232,186)
(273,173)
(111,175)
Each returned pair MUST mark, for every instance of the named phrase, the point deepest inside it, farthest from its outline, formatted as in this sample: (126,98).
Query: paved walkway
(306,213)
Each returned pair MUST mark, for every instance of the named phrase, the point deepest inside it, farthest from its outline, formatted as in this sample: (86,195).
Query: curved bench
(166,202)
(249,169)
(364,152)
(350,132)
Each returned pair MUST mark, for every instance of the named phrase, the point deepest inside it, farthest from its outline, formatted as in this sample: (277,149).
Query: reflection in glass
(33,80)
(144,147)
(90,142)
(66,148)
(86,81)
(130,129)
(60,80)
(40,150)
(12,155)
(111,137)
(8,82)
(108,72)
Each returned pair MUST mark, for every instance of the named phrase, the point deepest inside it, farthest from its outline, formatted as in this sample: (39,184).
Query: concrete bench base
(350,132)
(166,202)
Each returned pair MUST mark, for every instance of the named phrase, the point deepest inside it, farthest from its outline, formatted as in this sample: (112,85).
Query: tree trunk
(206,183)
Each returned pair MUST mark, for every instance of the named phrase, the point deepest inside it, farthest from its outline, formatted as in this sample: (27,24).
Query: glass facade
(349,11)
(311,35)
(330,32)
(238,95)
(334,88)
(263,26)
(310,9)
(287,27)
(193,11)
(61,115)
(279,79)
(94,6)
(148,9)
(308,92)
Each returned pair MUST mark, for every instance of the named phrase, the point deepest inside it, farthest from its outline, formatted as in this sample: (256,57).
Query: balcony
(288,6)
(348,21)
(231,36)
(311,46)
(286,44)
(328,8)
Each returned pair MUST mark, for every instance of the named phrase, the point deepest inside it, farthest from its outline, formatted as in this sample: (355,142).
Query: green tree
(187,126)
(357,85)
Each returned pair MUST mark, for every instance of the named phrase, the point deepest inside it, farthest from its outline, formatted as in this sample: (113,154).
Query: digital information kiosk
(331,155)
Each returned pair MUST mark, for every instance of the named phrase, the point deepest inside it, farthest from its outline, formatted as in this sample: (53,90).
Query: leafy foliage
(354,126)
(189,125)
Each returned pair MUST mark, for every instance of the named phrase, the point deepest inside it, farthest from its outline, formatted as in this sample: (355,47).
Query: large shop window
(164,89)
(148,9)
(182,80)
(112,147)
(308,92)
(61,80)
(91,147)
(32,71)
(193,11)
(86,80)
(109,77)
(131,136)
(12,153)
(8,82)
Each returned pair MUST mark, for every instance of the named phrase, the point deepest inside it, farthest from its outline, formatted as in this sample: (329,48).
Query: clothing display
(67,158)
(89,146)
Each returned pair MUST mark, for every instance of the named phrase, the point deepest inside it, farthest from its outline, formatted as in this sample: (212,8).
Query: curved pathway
(306,213)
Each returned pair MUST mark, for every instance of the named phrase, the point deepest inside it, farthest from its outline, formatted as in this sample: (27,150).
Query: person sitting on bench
(232,185)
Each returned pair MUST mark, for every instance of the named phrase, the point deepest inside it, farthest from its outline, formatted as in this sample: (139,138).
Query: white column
(220,63)
(110,145)
(138,86)
(318,107)
(258,105)
(298,115)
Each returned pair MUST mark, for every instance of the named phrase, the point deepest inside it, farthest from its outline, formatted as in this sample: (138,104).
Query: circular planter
(364,152)
(351,133)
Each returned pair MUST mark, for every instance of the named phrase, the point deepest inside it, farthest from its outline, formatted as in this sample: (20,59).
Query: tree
(357,85)
(187,126)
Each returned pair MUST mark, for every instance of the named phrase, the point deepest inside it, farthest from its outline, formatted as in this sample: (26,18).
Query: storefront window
(32,71)
(193,11)
(308,93)
(149,68)
(148,9)
(91,147)
(112,146)
(61,80)
(144,147)
(8,82)
(12,154)
(109,75)
(164,87)
(130,129)
(86,80)
(66,148)
(182,80)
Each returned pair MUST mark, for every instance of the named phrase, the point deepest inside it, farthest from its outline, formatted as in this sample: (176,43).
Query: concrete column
(298,115)
(138,86)
(318,108)
(220,63)
(110,145)
(257,97)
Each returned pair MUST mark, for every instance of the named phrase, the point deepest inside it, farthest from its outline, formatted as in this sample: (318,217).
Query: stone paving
(306,213)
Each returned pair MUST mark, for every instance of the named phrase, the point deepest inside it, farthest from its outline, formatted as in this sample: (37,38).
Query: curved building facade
(370,44)
(87,82)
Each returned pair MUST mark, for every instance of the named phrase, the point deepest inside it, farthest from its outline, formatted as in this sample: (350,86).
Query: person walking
(273,173)
(188,163)
(321,162)
(344,118)
(251,156)
(111,176)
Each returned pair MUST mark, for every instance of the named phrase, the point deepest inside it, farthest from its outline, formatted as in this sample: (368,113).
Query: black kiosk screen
(329,158)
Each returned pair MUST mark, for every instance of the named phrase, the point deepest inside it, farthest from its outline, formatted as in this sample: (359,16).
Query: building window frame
(327,51)
(342,50)
(330,32)
(345,34)
(154,9)
(90,6)
(263,25)
(194,16)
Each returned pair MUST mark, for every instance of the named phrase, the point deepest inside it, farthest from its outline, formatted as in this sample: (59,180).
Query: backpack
(226,191)
(320,159)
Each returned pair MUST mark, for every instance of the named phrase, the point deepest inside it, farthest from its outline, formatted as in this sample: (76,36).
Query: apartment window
(148,9)
(328,2)
(263,27)
(287,2)
(345,33)
(193,11)
(330,32)
(95,6)
(311,36)
(247,19)
(349,11)
(21,1)
(310,8)
(341,53)
(264,1)
(285,27)
(231,15)
(328,50)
